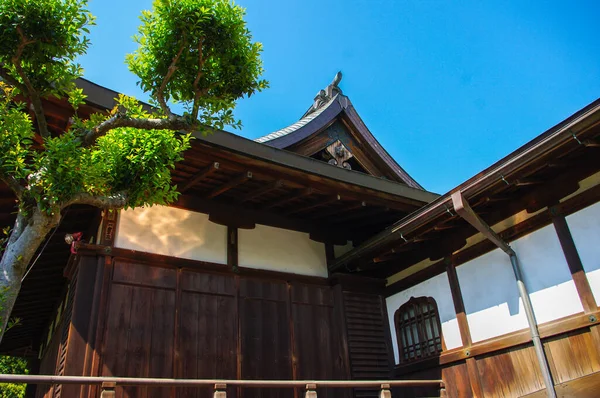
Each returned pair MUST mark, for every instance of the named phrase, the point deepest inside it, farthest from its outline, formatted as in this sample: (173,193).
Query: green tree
(12,365)
(195,52)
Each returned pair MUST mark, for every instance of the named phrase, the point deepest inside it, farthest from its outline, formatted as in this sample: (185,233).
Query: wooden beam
(245,216)
(574,262)
(330,212)
(261,191)
(290,198)
(302,209)
(205,172)
(240,179)
(524,182)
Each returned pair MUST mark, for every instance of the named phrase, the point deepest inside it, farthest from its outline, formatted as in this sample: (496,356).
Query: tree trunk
(25,238)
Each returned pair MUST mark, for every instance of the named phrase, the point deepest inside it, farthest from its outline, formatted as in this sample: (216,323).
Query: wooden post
(311,391)
(220,391)
(108,390)
(385,391)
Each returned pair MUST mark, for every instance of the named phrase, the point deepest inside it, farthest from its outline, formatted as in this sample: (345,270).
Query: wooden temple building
(310,254)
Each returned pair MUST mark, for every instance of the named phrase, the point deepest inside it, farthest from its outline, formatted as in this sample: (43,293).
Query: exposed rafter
(319,203)
(286,199)
(261,191)
(202,174)
(240,179)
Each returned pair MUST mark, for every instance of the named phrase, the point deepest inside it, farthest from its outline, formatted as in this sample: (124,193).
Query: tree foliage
(197,52)
(12,365)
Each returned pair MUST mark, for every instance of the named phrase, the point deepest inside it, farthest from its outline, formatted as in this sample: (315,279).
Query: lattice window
(418,329)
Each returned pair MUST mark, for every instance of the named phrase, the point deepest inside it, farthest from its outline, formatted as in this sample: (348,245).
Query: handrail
(109,383)
(141,381)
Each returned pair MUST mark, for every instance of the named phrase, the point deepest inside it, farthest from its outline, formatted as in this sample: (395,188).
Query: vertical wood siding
(164,322)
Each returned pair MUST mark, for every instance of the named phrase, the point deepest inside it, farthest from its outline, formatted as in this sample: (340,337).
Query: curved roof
(296,126)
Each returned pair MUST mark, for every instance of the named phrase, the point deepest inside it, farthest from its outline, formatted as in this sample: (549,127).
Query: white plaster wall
(490,293)
(338,250)
(281,250)
(437,287)
(585,229)
(172,232)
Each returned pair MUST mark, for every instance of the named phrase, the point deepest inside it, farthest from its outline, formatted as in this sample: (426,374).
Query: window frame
(421,320)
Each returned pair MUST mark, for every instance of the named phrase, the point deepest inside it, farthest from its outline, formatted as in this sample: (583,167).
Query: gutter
(462,208)
(504,168)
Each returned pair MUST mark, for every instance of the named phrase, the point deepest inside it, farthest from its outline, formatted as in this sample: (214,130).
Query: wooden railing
(109,384)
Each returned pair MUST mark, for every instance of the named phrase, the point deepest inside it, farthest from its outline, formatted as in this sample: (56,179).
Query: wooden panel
(208,340)
(139,336)
(143,274)
(265,335)
(207,283)
(583,387)
(573,355)
(317,354)
(261,289)
(368,345)
(512,372)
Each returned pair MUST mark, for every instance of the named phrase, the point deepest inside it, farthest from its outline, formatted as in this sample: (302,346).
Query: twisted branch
(160,93)
(176,123)
(116,201)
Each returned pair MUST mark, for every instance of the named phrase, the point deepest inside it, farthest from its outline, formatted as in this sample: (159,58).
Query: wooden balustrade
(108,385)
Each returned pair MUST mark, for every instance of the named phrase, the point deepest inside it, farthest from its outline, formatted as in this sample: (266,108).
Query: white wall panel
(172,232)
(490,293)
(281,250)
(437,287)
(585,229)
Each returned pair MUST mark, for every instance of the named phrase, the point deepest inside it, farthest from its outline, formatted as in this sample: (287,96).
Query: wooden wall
(150,319)
(574,359)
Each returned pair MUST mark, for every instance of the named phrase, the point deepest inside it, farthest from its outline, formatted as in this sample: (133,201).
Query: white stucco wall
(437,287)
(490,294)
(339,250)
(172,232)
(281,250)
(585,229)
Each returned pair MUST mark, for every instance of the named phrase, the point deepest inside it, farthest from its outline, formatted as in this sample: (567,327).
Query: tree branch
(14,185)
(176,123)
(160,93)
(30,91)
(198,92)
(116,201)
(10,80)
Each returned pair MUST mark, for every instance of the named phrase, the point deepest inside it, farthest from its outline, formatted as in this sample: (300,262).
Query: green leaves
(43,38)
(16,135)
(198,52)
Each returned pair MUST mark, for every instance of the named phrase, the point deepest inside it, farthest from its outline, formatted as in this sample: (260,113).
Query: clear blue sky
(447,88)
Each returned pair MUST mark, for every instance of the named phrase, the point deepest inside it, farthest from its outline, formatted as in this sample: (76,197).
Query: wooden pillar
(574,261)
(232,247)
(463,326)
(580,279)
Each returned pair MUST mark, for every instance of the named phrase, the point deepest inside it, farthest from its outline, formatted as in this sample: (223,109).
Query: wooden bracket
(108,390)
(311,391)
(385,391)
(220,391)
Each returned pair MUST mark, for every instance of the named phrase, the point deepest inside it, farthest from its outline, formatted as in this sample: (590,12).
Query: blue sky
(448,88)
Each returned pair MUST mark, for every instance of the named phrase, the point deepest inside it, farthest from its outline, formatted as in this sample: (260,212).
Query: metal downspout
(462,208)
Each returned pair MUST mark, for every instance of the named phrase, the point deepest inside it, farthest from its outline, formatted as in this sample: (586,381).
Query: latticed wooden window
(418,329)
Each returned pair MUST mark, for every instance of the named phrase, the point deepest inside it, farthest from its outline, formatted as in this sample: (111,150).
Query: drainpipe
(462,208)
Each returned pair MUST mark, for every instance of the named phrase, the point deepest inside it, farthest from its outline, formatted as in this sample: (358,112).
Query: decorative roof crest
(327,94)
